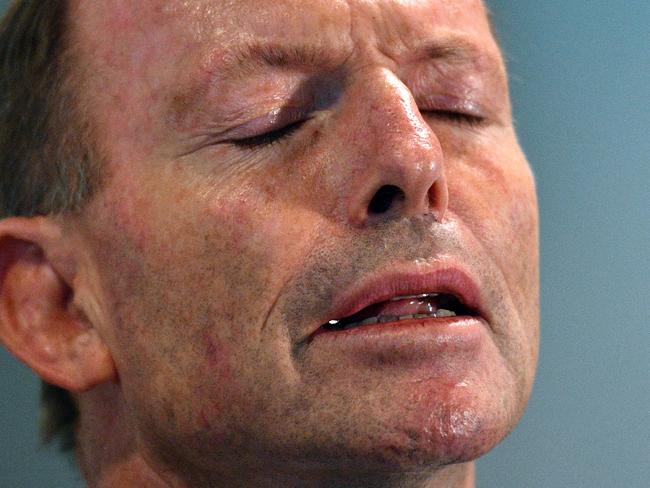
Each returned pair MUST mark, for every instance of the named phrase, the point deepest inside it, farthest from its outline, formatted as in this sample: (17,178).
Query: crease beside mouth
(428,305)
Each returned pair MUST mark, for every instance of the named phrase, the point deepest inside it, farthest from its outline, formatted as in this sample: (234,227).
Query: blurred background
(580,82)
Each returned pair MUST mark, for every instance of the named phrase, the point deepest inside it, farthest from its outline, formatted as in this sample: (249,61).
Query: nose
(398,160)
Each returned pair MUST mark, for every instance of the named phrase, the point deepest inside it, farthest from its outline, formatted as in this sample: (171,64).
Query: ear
(39,322)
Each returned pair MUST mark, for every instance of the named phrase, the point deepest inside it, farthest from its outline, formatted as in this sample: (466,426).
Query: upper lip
(404,281)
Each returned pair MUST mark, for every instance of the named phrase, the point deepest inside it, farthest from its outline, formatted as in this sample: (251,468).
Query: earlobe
(38,323)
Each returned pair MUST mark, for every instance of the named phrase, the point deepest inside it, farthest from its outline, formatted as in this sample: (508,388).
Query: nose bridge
(395,118)
(399,156)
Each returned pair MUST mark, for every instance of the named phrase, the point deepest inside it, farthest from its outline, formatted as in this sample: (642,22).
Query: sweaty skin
(213,253)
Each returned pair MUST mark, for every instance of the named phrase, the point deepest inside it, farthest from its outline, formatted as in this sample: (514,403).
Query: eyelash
(278,135)
(460,118)
(269,138)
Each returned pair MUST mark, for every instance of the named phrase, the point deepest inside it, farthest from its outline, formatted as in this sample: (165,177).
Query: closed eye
(278,135)
(459,118)
(269,138)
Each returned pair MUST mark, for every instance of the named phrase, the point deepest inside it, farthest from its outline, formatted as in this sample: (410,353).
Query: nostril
(385,198)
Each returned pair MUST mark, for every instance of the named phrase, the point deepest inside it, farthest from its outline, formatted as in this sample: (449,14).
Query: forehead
(115,24)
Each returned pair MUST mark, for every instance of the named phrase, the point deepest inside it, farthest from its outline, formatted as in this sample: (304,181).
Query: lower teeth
(445,313)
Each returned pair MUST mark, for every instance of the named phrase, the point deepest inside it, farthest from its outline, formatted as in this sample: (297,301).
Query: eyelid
(271,121)
(447,103)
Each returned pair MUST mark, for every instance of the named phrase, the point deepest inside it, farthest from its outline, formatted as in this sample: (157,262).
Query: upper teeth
(422,295)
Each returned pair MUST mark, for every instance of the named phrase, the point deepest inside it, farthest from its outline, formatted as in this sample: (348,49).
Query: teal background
(580,79)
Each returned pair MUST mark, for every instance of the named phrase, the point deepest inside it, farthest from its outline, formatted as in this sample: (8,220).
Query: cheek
(261,226)
(519,222)
(233,220)
(494,194)
(217,357)
(215,354)
(246,231)
(128,221)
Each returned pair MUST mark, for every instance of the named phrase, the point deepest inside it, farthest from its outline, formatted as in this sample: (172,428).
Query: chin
(426,428)
(443,434)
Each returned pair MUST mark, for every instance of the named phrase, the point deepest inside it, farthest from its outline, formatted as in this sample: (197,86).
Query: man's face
(275,165)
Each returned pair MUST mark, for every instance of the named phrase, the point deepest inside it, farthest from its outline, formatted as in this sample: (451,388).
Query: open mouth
(423,306)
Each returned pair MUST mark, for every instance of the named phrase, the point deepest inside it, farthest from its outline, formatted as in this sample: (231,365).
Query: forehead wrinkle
(406,38)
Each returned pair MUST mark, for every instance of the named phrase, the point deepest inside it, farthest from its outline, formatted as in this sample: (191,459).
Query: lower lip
(461,332)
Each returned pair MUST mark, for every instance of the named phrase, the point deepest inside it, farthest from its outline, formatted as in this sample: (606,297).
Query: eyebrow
(454,50)
(250,56)
(253,55)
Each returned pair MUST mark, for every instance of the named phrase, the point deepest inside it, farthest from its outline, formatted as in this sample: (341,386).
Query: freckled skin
(213,265)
